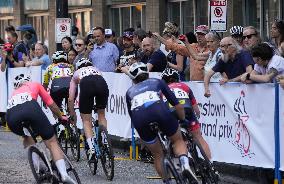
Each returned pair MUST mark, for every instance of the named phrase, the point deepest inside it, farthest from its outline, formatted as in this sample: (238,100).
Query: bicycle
(200,162)
(69,138)
(103,151)
(171,166)
(48,172)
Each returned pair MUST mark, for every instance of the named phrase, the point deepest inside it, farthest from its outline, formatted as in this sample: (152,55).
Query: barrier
(236,120)
(3,92)
(281,125)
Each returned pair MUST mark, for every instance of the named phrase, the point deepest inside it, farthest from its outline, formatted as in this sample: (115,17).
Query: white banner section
(281,125)
(238,122)
(3,92)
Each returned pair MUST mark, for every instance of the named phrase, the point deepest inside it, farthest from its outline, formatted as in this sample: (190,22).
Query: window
(6,6)
(128,16)
(82,20)
(79,2)
(36,4)
(38,22)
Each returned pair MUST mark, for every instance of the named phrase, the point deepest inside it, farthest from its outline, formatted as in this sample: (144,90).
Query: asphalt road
(14,167)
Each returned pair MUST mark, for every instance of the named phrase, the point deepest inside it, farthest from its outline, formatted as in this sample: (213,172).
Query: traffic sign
(62,28)
(218,15)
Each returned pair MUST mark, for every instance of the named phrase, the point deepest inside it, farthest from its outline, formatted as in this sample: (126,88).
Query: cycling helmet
(169,73)
(8,47)
(136,69)
(83,62)
(236,30)
(21,79)
(59,56)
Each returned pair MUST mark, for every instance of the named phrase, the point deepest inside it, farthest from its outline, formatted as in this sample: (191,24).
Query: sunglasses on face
(78,44)
(249,36)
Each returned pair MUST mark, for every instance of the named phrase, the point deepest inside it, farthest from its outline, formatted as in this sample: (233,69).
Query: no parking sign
(62,28)
(218,15)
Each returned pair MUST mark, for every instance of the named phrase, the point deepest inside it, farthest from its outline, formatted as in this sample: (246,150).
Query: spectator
(110,37)
(80,47)
(267,65)
(250,37)
(191,37)
(277,34)
(104,55)
(175,61)
(235,61)
(9,29)
(32,51)
(74,34)
(154,58)
(41,58)
(71,56)
(138,37)
(213,43)
(8,58)
(66,44)
(237,33)
(129,52)
(19,46)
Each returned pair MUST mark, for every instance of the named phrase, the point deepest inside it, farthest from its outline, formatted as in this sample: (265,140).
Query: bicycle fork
(96,140)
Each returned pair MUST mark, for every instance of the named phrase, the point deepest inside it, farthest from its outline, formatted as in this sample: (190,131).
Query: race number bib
(19,99)
(62,72)
(179,93)
(88,71)
(143,98)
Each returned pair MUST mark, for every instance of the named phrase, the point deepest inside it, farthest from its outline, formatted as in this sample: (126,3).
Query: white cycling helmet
(170,73)
(83,62)
(58,55)
(137,69)
(236,30)
(21,79)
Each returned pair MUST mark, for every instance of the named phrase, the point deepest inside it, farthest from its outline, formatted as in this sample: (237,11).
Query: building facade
(146,14)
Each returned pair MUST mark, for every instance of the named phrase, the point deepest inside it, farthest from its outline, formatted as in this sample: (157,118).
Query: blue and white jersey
(144,94)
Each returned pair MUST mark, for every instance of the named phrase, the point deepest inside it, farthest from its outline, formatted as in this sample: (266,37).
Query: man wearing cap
(104,55)
(129,52)
(110,37)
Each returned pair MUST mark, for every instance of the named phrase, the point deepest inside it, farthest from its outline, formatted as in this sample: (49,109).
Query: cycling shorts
(191,117)
(157,112)
(59,83)
(93,86)
(29,112)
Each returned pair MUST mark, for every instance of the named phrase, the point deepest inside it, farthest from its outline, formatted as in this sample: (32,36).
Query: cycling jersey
(27,92)
(185,97)
(92,84)
(145,106)
(23,107)
(58,70)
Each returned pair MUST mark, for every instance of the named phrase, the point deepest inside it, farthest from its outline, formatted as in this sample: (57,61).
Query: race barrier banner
(3,92)
(237,122)
(281,125)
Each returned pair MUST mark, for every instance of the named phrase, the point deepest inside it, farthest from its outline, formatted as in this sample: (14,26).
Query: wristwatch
(248,76)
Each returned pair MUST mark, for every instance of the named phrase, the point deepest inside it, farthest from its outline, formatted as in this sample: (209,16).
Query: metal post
(277,175)
(61,12)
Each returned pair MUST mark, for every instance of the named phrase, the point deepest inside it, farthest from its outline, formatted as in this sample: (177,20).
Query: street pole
(61,12)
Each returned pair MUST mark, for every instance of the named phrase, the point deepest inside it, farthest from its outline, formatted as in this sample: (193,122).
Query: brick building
(147,14)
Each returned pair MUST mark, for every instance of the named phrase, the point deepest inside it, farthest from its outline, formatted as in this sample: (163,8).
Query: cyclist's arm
(128,102)
(72,96)
(173,100)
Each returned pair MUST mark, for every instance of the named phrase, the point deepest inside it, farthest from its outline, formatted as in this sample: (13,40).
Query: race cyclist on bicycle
(185,96)
(92,84)
(60,73)
(146,106)
(23,107)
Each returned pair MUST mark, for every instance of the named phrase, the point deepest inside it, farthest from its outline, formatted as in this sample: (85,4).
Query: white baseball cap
(108,32)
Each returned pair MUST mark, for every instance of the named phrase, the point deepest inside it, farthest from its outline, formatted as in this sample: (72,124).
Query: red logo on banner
(218,12)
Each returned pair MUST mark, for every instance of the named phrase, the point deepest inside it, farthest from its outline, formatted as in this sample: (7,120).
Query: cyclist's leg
(197,135)
(101,117)
(156,150)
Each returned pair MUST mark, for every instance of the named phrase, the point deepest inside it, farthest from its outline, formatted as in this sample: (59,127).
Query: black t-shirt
(237,67)
(157,59)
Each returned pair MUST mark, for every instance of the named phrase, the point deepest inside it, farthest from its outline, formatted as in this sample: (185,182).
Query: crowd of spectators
(201,55)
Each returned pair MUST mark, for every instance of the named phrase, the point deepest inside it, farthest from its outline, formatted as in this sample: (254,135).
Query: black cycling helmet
(170,75)
(59,57)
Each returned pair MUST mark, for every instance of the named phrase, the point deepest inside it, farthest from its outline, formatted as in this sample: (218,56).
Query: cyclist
(92,84)
(185,96)
(60,73)
(23,107)
(145,106)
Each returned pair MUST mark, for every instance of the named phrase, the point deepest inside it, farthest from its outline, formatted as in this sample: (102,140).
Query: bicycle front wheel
(38,165)
(171,174)
(107,158)
(74,141)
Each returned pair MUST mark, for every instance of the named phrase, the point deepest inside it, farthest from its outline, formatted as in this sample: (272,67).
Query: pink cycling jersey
(34,89)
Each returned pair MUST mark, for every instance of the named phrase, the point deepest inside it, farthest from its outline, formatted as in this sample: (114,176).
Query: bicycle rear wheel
(107,158)
(40,170)
(74,141)
(71,171)
(172,176)
(203,165)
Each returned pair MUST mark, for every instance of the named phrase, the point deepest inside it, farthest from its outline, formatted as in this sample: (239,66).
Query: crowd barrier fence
(243,124)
